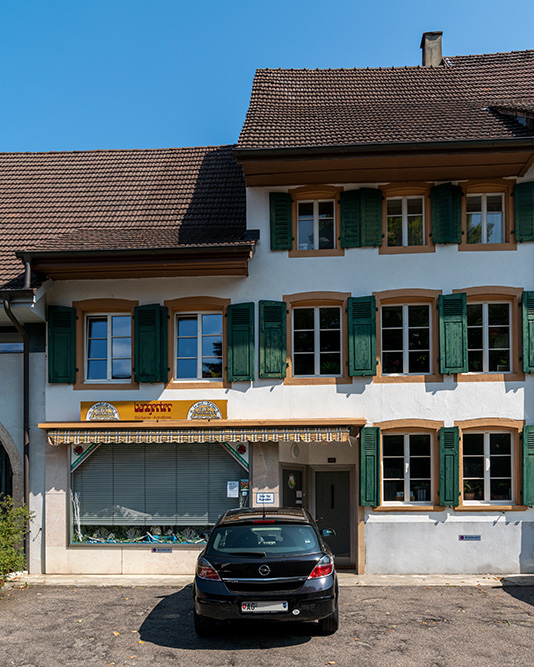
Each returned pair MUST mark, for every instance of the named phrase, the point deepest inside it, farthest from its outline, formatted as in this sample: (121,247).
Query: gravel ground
(45,626)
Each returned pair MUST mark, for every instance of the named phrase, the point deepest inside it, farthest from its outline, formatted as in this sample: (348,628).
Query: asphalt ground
(409,625)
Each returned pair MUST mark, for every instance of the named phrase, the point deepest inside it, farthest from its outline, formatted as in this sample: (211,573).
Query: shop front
(133,487)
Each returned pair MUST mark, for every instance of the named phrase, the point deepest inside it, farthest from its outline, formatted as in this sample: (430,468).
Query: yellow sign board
(152,410)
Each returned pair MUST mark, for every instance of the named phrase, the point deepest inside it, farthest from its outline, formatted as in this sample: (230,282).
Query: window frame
(404,220)
(485,336)
(317,299)
(406,337)
(199,340)
(406,436)
(109,348)
(317,340)
(95,307)
(316,194)
(499,294)
(195,306)
(503,187)
(407,191)
(409,297)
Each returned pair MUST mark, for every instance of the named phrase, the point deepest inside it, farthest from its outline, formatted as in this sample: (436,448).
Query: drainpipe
(25,409)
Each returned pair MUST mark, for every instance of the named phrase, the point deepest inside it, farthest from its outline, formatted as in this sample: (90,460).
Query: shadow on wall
(170,624)
(526,556)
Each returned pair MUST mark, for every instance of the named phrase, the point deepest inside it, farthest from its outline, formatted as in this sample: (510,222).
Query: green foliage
(14,524)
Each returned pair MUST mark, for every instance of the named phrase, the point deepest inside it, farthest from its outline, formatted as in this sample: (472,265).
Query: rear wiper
(257,554)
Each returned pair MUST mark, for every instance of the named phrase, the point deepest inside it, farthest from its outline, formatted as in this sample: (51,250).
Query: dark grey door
(292,488)
(332,507)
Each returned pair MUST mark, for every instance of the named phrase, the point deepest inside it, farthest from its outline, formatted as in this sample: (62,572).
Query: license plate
(264,607)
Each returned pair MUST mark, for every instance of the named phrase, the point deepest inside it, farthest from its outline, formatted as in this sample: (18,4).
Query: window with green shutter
(446,207)
(370,466)
(61,345)
(240,342)
(361,218)
(362,335)
(150,343)
(453,333)
(528,465)
(280,215)
(527,304)
(524,211)
(449,466)
(272,340)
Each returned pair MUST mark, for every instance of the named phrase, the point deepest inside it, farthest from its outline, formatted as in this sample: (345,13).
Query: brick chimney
(431,45)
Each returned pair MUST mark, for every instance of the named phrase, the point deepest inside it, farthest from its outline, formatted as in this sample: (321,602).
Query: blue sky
(92,74)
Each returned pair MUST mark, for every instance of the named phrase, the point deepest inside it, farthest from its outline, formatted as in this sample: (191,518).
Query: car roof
(277,514)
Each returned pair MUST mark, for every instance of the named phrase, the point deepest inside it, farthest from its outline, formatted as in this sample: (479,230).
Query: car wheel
(204,626)
(330,624)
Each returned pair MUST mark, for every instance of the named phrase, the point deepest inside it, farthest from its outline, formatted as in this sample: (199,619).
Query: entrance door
(332,510)
(6,475)
(292,488)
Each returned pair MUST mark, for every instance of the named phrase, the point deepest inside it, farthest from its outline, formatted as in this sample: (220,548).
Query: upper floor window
(485,218)
(405,221)
(317,341)
(406,339)
(199,346)
(407,468)
(489,337)
(487,467)
(316,225)
(108,347)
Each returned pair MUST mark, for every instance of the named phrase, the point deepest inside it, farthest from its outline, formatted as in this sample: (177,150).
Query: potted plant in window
(469,491)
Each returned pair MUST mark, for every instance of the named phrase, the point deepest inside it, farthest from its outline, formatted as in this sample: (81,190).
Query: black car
(266,564)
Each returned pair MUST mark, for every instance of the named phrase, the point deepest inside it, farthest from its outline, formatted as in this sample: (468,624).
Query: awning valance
(141,436)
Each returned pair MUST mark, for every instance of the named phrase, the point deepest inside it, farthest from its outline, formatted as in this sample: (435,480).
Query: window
(315,225)
(407,468)
(108,347)
(405,221)
(199,343)
(485,218)
(317,341)
(487,467)
(489,337)
(406,339)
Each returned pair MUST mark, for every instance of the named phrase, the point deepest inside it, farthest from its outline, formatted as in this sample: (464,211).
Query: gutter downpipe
(25,409)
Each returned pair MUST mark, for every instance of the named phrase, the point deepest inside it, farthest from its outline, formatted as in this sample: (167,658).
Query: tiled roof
(124,199)
(342,107)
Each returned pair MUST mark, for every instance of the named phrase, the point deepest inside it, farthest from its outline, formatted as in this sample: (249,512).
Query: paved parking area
(408,625)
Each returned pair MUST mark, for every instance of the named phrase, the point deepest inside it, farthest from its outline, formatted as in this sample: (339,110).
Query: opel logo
(264,570)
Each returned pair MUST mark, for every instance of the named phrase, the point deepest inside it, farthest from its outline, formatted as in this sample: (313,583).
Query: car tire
(330,624)
(204,626)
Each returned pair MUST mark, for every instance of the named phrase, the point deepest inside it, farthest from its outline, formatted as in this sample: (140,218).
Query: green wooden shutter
(281,229)
(446,206)
(240,342)
(528,465)
(524,211)
(371,216)
(272,339)
(150,343)
(370,466)
(453,333)
(449,466)
(349,206)
(164,344)
(61,345)
(362,335)
(527,305)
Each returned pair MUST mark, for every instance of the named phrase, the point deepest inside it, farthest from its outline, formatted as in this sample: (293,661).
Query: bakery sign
(152,410)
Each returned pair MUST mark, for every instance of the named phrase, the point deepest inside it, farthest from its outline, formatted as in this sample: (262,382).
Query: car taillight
(206,570)
(323,568)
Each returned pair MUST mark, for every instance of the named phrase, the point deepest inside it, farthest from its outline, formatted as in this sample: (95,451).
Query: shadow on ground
(170,624)
(523,593)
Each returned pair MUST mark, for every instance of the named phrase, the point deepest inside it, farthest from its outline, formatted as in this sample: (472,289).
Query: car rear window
(263,540)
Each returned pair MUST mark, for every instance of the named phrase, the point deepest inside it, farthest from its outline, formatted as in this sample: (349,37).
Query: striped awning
(141,436)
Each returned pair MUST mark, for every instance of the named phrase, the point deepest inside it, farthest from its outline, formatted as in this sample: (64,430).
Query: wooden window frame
(394,191)
(496,186)
(89,307)
(406,297)
(195,305)
(412,426)
(499,294)
(316,193)
(494,425)
(318,299)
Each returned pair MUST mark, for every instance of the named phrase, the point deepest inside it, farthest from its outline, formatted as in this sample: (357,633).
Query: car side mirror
(327,532)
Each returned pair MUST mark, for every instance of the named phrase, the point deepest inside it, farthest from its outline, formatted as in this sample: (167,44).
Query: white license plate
(263,607)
